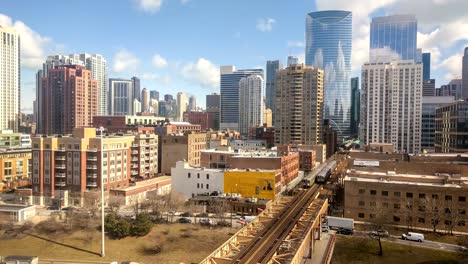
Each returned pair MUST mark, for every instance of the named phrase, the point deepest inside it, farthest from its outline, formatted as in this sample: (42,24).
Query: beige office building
(180,147)
(299,105)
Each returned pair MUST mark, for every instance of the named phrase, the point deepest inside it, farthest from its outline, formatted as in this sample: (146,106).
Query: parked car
(325,228)
(381,233)
(52,208)
(345,231)
(223,223)
(202,215)
(413,236)
(184,220)
(186,214)
(206,222)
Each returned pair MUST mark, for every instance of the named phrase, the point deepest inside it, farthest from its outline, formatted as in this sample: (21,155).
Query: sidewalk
(320,250)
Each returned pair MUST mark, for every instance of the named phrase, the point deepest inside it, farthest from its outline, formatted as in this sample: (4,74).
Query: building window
(362,203)
(362,191)
(198,175)
(461,223)
(409,195)
(207,186)
(448,211)
(461,198)
(396,206)
(372,216)
(373,192)
(198,185)
(448,222)
(385,205)
(421,220)
(384,193)
(448,198)
(373,204)
(188,175)
(422,208)
(422,196)
(207,176)
(462,211)
(396,218)
(397,194)
(361,215)
(435,196)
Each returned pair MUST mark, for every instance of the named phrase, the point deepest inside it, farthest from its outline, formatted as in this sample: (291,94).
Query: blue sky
(178,45)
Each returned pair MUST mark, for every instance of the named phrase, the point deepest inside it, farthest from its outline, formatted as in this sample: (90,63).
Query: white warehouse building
(191,181)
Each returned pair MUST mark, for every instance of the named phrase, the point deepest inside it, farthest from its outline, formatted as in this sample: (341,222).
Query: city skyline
(166,68)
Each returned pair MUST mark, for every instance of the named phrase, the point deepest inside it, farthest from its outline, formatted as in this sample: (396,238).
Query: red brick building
(70,97)
(205,119)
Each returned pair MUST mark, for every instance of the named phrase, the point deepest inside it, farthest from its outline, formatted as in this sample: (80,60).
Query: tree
(433,207)
(116,228)
(408,214)
(379,221)
(115,202)
(142,225)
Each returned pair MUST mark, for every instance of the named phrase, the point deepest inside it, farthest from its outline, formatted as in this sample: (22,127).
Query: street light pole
(103,251)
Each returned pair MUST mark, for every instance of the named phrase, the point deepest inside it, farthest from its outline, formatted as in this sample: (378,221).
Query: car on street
(345,231)
(184,220)
(381,233)
(223,224)
(206,222)
(413,236)
(186,214)
(325,228)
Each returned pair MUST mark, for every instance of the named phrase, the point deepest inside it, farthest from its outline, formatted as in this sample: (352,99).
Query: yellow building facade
(253,184)
(14,164)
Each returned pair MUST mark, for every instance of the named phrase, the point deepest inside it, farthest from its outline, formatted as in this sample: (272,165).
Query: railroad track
(264,245)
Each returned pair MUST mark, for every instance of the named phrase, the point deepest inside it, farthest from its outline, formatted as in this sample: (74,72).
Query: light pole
(103,251)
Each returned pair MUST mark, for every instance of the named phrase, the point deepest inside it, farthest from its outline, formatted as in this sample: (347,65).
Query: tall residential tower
(250,104)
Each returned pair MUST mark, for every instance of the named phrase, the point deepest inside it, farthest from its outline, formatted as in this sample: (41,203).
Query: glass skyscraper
(229,90)
(392,36)
(271,68)
(426,61)
(328,46)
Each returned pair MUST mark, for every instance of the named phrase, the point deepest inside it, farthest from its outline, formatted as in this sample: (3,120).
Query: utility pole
(103,250)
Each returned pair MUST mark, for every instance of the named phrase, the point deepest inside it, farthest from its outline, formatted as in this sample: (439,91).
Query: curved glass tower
(328,46)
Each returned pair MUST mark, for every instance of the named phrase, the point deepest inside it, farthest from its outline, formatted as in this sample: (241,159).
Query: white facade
(120,97)
(191,181)
(248,144)
(10,92)
(181,105)
(391,104)
(192,105)
(136,106)
(250,103)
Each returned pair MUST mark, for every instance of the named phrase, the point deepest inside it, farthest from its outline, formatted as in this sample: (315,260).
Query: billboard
(257,184)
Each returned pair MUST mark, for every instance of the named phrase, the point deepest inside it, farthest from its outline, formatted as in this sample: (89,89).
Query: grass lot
(350,249)
(180,243)
(397,231)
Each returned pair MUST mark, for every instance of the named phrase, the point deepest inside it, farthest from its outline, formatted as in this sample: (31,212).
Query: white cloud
(149,76)
(296,44)
(159,62)
(150,6)
(265,24)
(451,66)
(125,61)
(34,47)
(203,72)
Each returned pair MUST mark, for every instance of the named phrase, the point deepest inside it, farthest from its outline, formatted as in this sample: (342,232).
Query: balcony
(60,175)
(134,166)
(134,159)
(147,165)
(91,158)
(60,149)
(92,175)
(92,150)
(60,166)
(134,145)
(60,184)
(135,152)
(134,172)
(91,167)
(60,158)
(91,184)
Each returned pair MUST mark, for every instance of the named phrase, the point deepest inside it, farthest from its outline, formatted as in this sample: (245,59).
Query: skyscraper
(292,60)
(192,105)
(181,105)
(229,115)
(99,71)
(213,106)
(391,99)
(428,126)
(428,87)
(426,61)
(453,88)
(121,97)
(10,92)
(328,47)
(355,105)
(271,68)
(69,99)
(145,100)
(168,97)
(299,105)
(393,36)
(136,88)
(250,104)
(154,95)
(465,73)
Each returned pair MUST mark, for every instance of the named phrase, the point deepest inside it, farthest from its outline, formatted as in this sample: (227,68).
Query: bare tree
(452,216)
(379,221)
(433,206)
(115,202)
(408,214)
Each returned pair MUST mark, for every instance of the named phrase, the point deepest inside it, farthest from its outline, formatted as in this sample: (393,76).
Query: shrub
(142,225)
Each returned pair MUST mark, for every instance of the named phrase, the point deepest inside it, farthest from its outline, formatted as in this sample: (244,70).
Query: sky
(178,45)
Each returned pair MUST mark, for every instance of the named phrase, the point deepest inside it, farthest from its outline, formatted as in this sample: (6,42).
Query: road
(425,244)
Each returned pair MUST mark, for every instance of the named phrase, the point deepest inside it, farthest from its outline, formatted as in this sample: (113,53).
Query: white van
(413,236)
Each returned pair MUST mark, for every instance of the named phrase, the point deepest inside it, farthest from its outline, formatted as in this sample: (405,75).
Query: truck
(340,222)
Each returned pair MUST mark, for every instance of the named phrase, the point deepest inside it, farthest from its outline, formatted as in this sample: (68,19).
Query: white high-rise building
(120,97)
(181,105)
(10,92)
(391,104)
(250,104)
(192,105)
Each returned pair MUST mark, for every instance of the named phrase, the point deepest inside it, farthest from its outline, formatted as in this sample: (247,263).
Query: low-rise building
(125,123)
(15,167)
(247,144)
(306,159)
(267,134)
(9,139)
(16,212)
(180,147)
(320,152)
(191,181)
(451,128)
(142,190)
